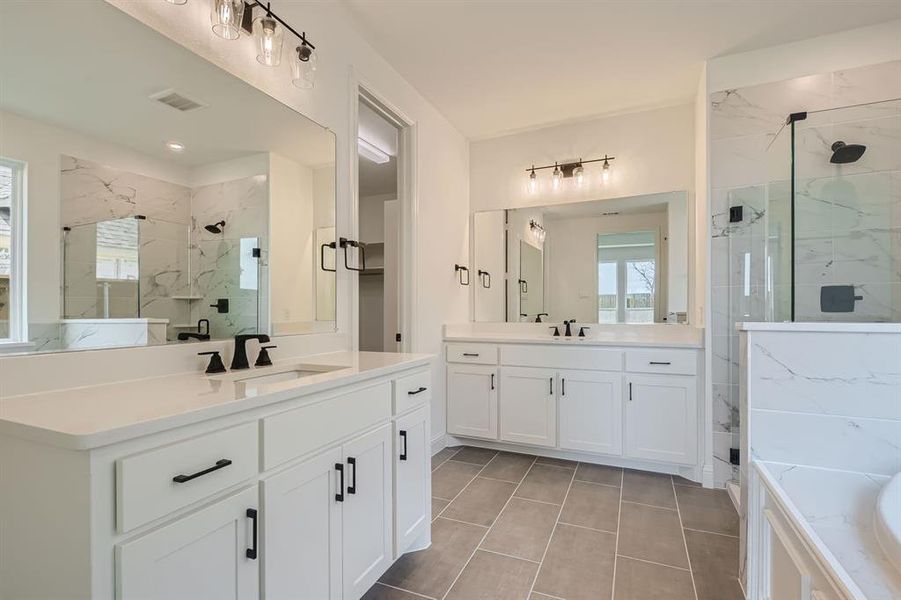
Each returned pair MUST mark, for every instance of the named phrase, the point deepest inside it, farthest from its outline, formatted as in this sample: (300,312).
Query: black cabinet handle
(345,243)
(485,278)
(252,551)
(551,381)
(403,453)
(352,488)
(659,362)
(630,391)
(220,464)
(562,386)
(419,391)
(471,354)
(492,381)
(339,497)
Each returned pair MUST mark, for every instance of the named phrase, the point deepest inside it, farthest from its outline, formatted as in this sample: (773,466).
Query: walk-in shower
(833,216)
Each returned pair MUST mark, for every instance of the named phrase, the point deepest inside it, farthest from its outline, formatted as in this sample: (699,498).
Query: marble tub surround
(670,336)
(105,333)
(93,416)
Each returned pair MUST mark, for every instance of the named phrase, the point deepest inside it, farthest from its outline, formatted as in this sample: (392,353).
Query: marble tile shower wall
(750,168)
(221,264)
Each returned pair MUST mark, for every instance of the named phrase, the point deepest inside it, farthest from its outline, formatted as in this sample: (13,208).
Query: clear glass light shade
(579,174)
(533,182)
(226,17)
(558,177)
(268,35)
(303,72)
(605,172)
(179,2)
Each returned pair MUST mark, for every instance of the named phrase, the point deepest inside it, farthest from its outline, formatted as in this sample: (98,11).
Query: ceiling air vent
(178,101)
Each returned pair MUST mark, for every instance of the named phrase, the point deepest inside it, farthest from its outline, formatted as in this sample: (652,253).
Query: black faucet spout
(568,324)
(239,359)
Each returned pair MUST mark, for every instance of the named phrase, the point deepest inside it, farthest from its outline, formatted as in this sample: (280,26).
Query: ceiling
(101,69)
(498,66)
(632,205)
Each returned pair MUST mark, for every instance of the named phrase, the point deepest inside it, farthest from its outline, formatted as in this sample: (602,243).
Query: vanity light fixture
(573,168)
(226,17)
(304,65)
(268,34)
(175,146)
(537,230)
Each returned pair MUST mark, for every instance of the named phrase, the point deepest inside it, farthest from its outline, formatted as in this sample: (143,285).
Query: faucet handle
(556,330)
(263,359)
(582,331)
(215,365)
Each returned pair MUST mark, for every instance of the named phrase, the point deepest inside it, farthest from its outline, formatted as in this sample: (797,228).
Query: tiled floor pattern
(516,527)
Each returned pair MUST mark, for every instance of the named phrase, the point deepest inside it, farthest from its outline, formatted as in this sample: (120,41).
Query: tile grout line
(651,562)
(445,460)
(553,531)
(597,483)
(534,562)
(734,537)
(588,528)
(684,540)
(619,516)
(487,531)
(649,505)
(393,587)
(464,522)
(463,489)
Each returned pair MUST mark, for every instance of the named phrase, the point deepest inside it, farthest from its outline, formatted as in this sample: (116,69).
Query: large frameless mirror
(622,260)
(146,195)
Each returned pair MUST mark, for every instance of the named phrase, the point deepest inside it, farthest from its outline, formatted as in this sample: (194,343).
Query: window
(627,277)
(12,259)
(117,250)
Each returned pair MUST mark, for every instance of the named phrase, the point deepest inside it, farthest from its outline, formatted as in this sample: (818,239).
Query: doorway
(379,215)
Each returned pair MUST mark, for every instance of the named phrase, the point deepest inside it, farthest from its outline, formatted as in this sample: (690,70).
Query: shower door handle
(344,243)
(322,248)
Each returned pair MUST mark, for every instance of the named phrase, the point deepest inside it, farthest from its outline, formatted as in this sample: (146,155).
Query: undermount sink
(887,520)
(285,373)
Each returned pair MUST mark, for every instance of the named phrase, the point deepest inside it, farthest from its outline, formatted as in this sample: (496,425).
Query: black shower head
(843,153)
(215,227)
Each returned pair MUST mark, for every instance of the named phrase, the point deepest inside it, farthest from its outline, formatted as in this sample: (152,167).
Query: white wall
(488,246)
(442,174)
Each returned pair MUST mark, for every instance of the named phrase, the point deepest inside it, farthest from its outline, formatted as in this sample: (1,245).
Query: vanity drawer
(155,483)
(412,390)
(677,362)
(300,431)
(478,354)
(571,357)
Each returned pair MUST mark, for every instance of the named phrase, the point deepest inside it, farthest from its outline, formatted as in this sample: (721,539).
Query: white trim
(18,281)
(439,443)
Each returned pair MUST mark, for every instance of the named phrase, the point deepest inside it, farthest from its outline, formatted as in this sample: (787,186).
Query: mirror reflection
(623,260)
(165,204)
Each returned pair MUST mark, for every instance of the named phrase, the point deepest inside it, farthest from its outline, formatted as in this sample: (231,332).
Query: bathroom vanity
(626,396)
(306,479)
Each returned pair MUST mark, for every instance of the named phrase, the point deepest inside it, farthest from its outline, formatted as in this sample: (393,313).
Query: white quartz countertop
(822,327)
(93,416)
(665,337)
(835,512)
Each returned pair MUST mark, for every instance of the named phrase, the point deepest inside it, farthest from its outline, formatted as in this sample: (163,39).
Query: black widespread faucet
(538,317)
(201,335)
(239,360)
(568,332)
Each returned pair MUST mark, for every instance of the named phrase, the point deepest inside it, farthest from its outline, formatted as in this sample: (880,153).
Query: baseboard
(735,494)
(439,443)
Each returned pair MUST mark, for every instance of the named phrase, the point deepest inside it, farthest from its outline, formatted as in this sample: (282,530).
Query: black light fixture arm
(606,159)
(247,24)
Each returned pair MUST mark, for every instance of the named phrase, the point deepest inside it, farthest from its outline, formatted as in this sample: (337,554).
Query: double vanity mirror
(148,196)
(622,260)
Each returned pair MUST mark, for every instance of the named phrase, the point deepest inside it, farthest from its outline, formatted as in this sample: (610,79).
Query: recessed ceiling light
(175,146)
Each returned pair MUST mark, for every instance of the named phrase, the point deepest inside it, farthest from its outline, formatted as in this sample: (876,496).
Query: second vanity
(306,479)
(623,395)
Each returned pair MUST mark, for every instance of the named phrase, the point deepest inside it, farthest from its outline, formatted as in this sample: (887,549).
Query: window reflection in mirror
(621,260)
(159,196)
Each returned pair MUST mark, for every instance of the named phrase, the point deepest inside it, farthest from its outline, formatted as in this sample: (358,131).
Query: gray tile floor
(516,527)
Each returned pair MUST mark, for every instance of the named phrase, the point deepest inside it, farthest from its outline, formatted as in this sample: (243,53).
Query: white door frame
(407,194)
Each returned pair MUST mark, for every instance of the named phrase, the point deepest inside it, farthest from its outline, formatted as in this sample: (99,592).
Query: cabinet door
(366,525)
(302,531)
(472,401)
(591,416)
(202,555)
(528,406)
(662,418)
(413,507)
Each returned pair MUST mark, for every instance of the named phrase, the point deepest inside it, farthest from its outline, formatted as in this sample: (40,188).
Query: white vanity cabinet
(215,510)
(630,406)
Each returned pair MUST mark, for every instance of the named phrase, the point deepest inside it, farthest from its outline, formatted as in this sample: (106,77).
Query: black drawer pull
(471,354)
(551,382)
(339,497)
(660,362)
(403,453)
(562,386)
(630,391)
(252,551)
(220,464)
(419,391)
(352,488)
(492,381)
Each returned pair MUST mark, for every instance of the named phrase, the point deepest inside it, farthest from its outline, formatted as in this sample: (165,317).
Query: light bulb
(579,174)
(269,34)
(533,181)
(226,17)
(558,177)
(605,172)
(303,67)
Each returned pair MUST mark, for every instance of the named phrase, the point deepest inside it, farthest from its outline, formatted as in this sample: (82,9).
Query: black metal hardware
(462,271)
(419,391)
(398,337)
(523,286)
(539,315)
(567,168)
(660,362)
(215,365)
(472,354)
(345,243)
(582,331)
(220,464)
(403,453)
(492,381)
(221,305)
(247,21)
(201,335)
(141,217)
(263,359)
(239,360)
(252,551)
(734,456)
(322,248)
(352,488)
(556,330)
(200,329)
(485,279)
(339,497)
(562,386)
(630,391)
(256,252)
(798,116)
(736,214)
(568,332)
(551,381)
